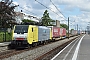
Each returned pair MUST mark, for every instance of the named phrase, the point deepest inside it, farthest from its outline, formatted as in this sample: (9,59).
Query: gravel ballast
(32,54)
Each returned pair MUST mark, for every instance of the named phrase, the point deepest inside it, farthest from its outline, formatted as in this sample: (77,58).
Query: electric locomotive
(27,35)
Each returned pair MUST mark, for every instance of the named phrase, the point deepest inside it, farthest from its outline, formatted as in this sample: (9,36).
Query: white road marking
(70,50)
(76,50)
(62,50)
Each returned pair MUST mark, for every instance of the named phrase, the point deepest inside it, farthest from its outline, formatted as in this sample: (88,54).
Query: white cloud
(52,7)
(83,5)
(15,3)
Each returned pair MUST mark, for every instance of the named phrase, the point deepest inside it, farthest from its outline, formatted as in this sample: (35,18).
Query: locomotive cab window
(21,29)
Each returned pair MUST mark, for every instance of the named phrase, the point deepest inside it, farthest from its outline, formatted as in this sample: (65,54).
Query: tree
(46,20)
(7,13)
(26,21)
(71,30)
(64,26)
(61,26)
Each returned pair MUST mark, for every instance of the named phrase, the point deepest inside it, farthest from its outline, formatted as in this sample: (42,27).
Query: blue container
(43,33)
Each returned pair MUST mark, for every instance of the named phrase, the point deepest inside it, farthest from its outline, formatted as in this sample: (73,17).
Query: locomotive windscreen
(21,29)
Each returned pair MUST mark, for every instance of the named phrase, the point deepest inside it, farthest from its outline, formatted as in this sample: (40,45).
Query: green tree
(61,26)
(26,21)
(71,30)
(64,26)
(7,13)
(46,20)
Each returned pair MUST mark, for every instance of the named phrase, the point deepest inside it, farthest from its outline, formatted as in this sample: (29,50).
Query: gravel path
(32,54)
(3,49)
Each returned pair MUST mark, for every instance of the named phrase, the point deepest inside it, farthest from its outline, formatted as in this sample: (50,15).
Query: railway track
(5,53)
(49,55)
(10,53)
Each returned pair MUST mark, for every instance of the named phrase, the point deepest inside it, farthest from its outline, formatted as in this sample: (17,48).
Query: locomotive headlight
(13,38)
(25,38)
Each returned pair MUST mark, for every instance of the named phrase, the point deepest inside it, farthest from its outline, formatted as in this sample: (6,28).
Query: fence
(8,37)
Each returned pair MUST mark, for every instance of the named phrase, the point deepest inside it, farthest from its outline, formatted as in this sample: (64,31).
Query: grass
(8,36)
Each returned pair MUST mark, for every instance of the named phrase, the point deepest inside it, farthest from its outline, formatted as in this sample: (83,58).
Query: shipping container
(74,32)
(79,32)
(55,31)
(43,33)
(62,32)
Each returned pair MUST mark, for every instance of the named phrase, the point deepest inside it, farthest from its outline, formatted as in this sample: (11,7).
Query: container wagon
(74,32)
(79,32)
(55,32)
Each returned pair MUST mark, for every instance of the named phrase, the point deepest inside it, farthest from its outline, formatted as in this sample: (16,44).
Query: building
(21,16)
(27,16)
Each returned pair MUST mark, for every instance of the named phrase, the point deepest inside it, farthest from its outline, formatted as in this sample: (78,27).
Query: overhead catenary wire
(25,9)
(48,8)
(56,8)
(28,10)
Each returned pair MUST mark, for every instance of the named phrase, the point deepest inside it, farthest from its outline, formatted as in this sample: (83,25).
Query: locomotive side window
(32,29)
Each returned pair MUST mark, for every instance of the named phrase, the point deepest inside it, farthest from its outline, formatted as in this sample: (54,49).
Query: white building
(21,16)
(27,16)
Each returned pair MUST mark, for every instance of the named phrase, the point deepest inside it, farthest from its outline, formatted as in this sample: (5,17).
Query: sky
(78,11)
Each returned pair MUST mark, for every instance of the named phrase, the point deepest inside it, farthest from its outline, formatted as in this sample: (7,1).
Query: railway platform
(76,50)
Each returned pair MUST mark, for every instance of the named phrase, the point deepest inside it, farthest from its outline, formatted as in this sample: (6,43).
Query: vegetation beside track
(8,36)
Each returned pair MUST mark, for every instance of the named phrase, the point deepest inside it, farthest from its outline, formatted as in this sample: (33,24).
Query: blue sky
(77,10)
(73,11)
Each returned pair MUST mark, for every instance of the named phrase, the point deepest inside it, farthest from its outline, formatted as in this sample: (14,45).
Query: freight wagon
(74,32)
(55,32)
(62,32)
(26,35)
(79,32)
